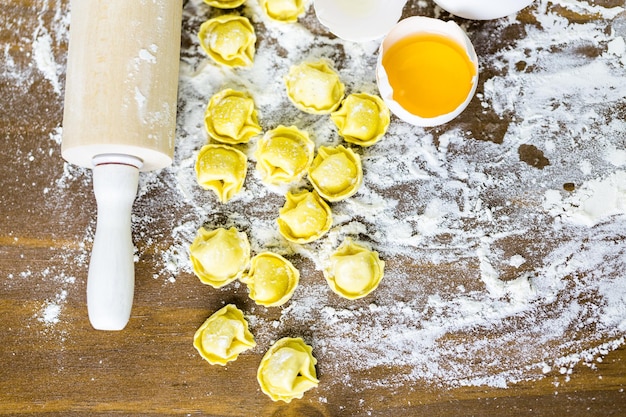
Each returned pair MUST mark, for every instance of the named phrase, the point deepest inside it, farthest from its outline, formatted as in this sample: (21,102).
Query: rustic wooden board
(151,368)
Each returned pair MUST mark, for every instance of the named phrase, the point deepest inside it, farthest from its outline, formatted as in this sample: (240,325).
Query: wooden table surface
(54,363)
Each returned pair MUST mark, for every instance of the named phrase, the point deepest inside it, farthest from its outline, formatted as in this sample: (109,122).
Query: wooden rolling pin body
(119,118)
(122,80)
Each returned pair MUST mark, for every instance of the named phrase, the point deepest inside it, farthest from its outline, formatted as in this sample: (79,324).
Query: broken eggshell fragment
(482,9)
(360,21)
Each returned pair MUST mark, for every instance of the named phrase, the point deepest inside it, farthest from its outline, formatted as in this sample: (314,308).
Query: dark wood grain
(151,368)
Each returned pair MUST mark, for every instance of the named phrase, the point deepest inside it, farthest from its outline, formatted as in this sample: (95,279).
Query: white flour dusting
(504,260)
(28,57)
(441,200)
(42,54)
(595,201)
(46,41)
(52,309)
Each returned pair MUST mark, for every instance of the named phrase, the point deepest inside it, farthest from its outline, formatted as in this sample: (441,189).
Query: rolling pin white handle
(111,277)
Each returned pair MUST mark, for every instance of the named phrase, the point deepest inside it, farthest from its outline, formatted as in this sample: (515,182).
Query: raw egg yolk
(430,74)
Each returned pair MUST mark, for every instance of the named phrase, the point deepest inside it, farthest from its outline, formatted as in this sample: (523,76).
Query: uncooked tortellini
(223,336)
(287,370)
(284,154)
(219,256)
(271,279)
(354,271)
(229,40)
(305,217)
(231,117)
(362,119)
(283,10)
(225,4)
(336,172)
(314,87)
(222,169)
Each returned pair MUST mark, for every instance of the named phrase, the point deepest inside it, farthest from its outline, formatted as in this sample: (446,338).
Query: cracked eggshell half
(415,26)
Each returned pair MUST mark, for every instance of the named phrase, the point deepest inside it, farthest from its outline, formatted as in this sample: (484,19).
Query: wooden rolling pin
(119,118)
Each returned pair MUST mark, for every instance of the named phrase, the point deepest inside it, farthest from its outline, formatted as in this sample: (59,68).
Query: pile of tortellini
(283,155)
(286,371)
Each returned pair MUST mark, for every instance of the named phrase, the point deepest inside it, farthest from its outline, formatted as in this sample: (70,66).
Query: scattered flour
(488,257)
(52,309)
(443,200)
(42,54)
(594,201)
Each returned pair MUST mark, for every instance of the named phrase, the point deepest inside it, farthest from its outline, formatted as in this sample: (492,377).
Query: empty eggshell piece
(483,9)
(360,21)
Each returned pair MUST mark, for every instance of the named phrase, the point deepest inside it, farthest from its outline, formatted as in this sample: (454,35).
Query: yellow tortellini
(362,119)
(223,336)
(222,169)
(219,256)
(231,117)
(271,279)
(229,40)
(305,217)
(314,87)
(287,370)
(283,10)
(225,4)
(354,271)
(336,172)
(284,154)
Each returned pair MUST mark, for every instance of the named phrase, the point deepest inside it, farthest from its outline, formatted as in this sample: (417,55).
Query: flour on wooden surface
(449,201)
(444,200)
